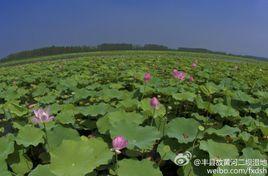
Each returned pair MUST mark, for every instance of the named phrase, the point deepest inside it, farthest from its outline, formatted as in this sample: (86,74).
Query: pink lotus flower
(42,116)
(147,77)
(179,74)
(119,142)
(154,102)
(194,65)
(191,78)
(175,73)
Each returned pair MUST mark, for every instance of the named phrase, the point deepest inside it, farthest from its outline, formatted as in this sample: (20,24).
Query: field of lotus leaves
(130,114)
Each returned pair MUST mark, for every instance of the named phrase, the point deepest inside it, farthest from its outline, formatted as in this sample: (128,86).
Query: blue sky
(236,26)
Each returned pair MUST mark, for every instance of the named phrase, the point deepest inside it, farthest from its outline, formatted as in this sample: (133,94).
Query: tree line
(53,50)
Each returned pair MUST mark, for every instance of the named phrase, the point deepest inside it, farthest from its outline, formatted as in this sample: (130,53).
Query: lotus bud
(147,77)
(119,142)
(154,102)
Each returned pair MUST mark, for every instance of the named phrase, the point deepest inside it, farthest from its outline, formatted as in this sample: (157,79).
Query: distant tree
(114,46)
(47,51)
(200,50)
(154,47)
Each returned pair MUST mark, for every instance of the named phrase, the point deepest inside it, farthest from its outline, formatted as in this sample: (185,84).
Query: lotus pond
(131,114)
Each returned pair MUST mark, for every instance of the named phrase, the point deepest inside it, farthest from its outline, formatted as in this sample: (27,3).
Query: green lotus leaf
(146,89)
(55,108)
(250,153)
(155,81)
(266,111)
(264,128)
(224,131)
(15,109)
(116,86)
(224,111)
(249,122)
(6,146)
(58,134)
(105,123)
(265,147)
(262,95)
(3,165)
(79,157)
(69,107)
(81,94)
(3,168)
(108,94)
(20,162)
(189,170)
(29,135)
(167,149)
(141,137)
(66,117)
(244,136)
(86,124)
(254,108)
(185,130)
(218,150)
(22,91)
(128,104)
(253,142)
(200,117)
(95,110)
(185,96)
(242,96)
(130,167)
(14,93)
(40,90)
(67,83)
(201,104)
(209,88)
(1,109)
(168,90)
(41,170)
(47,99)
